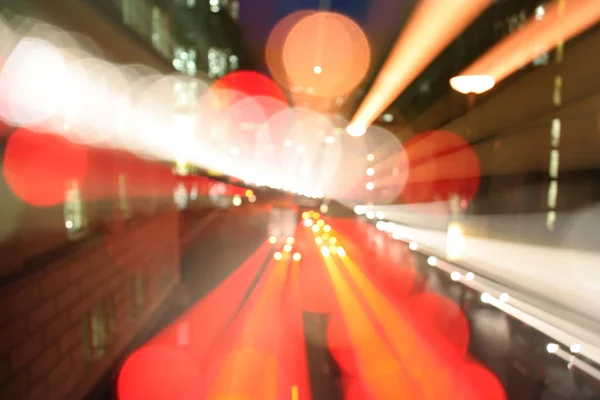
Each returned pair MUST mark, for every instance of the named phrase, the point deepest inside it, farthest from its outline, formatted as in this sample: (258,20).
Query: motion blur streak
(383,337)
(538,270)
(563,20)
(191,334)
(432,26)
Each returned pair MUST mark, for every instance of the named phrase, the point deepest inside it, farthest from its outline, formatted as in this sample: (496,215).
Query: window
(180,196)
(139,288)
(556,95)
(73,212)
(234,9)
(552,194)
(234,62)
(550,220)
(184,60)
(123,203)
(553,167)
(555,133)
(217,62)
(99,324)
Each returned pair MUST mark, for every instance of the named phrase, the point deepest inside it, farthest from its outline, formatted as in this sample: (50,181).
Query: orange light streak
(562,21)
(433,25)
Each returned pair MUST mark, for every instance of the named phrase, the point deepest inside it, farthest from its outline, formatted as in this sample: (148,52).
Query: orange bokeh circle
(324,54)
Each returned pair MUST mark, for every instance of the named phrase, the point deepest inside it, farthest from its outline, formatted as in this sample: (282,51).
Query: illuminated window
(96,332)
(234,9)
(180,196)
(559,52)
(555,133)
(216,5)
(99,324)
(139,288)
(540,11)
(123,203)
(541,60)
(557,94)
(554,161)
(550,220)
(184,60)
(73,212)
(161,35)
(552,194)
(234,62)
(217,62)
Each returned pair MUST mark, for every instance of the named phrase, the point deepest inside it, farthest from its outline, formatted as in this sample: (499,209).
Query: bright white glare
(325,251)
(319,240)
(290,240)
(432,261)
(370,171)
(455,242)
(540,11)
(387,117)
(356,130)
(158,118)
(504,297)
(278,256)
(575,348)
(315,228)
(380,215)
(360,210)
(32,83)
(237,200)
(287,248)
(552,348)
(297,256)
(341,252)
(477,84)
(272,240)
(455,276)
(324,208)
(69,224)
(470,276)
(486,297)
(381,225)
(370,214)
(326,228)
(413,246)
(308,222)
(317,69)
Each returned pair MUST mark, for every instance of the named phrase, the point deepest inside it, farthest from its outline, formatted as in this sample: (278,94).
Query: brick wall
(62,327)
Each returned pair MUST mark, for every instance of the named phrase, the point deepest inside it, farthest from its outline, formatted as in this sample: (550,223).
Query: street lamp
(471,85)
(476,84)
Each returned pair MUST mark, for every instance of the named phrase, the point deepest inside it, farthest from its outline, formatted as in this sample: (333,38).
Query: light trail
(562,21)
(433,25)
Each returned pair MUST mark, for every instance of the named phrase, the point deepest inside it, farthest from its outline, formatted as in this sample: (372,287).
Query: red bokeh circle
(156,372)
(442,324)
(40,167)
(441,165)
